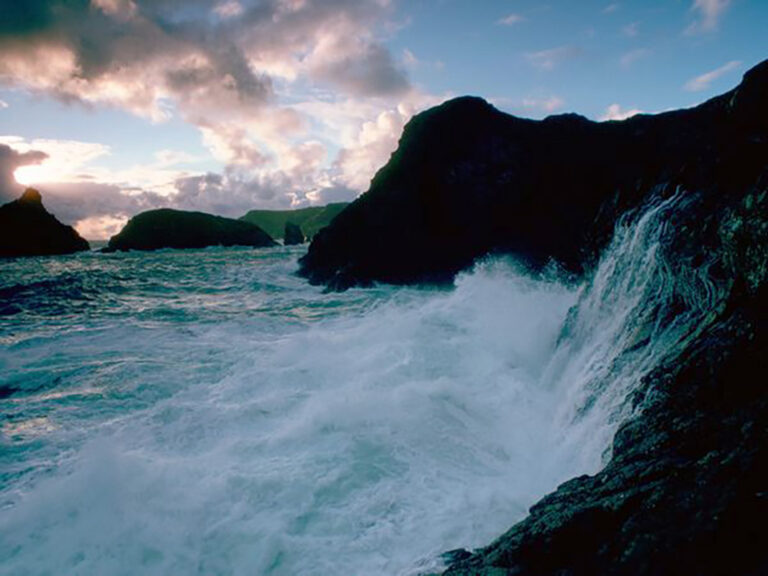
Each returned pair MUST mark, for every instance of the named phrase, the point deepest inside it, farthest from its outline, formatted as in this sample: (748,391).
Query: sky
(112,107)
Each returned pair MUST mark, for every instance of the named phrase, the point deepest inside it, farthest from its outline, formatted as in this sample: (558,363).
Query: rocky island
(28,229)
(293,234)
(683,488)
(167,228)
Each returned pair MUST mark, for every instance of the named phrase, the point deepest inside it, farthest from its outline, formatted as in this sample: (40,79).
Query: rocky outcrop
(166,228)
(28,229)
(293,234)
(467,180)
(311,219)
(684,489)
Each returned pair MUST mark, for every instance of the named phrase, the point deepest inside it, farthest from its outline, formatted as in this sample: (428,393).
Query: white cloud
(73,162)
(631,30)
(549,59)
(100,227)
(610,8)
(510,20)
(703,82)
(629,58)
(65,159)
(548,105)
(228,9)
(409,59)
(708,14)
(615,112)
(3,104)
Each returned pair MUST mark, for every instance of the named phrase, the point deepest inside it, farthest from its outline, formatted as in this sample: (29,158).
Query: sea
(210,412)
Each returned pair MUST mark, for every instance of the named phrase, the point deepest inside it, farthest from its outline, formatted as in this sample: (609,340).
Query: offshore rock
(293,235)
(28,229)
(166,228)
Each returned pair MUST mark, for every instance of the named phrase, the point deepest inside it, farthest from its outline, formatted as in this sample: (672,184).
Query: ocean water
(209,412)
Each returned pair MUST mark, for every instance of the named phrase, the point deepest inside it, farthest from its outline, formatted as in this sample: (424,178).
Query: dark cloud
(370,73)
(10,160)
(233,195)
(72,202)
(182,49)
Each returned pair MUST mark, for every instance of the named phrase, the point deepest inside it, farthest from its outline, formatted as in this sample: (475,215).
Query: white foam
(366,442)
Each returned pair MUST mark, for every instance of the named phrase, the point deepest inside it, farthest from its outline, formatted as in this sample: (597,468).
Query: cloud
(547,105)
(610,8)
(631,30)
(615,112)
(549,59)
(63,160)
(629,58)
(3,104)
(10,161)
(298,100)
(708,14)
(510,20)
(703,82)
(370,71)
(228,9)
(138,55)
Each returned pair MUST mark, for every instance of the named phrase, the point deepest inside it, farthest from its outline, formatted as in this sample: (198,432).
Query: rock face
(684,489)
(166,228)
(311,219)
(467,180)
(28,229)
(293,234)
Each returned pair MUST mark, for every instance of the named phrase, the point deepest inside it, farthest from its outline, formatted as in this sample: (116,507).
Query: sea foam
(210,413)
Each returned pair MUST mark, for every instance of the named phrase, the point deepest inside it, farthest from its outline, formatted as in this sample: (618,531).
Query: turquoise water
(209,412)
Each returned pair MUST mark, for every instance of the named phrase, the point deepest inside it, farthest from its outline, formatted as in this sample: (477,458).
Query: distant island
(310,220)
(167,228)
(28,229)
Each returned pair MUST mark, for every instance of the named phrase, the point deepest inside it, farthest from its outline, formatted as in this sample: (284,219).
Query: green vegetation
(310,220)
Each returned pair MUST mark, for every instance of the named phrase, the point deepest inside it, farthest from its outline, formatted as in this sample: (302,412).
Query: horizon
(224,107)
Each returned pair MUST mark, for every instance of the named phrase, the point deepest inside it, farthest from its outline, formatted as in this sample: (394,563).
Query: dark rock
(684,491)
(166,228)
(28,229)
(293,234)
(467,180)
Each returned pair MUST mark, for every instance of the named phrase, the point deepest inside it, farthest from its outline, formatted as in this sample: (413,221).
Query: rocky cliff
(467,180)
(28,229)
(683,489)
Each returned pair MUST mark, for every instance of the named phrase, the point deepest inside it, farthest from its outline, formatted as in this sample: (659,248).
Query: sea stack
(28,229)
(293,234)
(166,228)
